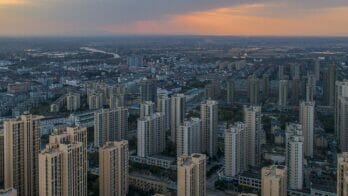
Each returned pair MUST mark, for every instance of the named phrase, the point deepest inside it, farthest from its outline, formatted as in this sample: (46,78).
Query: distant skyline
(174,17)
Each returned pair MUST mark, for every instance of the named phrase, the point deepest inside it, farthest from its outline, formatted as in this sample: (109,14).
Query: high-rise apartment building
(274,181)
(296,72)
(147,108)
(212,90)
(295,91)
(95,100)
(110,125)
(230,91)
(310,87)
(72,101)
(178,111)
(253,126)
(341,115)
(329,80)
(151,135)
(283,93)
(116,100)
(163,106)
(266,89)
(235,150)
(192,175)
(253,90)
(294,157)
(317,69)
(307,122)
(113,168)
(21,152)
(291,130)
(69,134)
(209,126)
(189,137)
(342,174)
(148,90)
(281,74)
(63,163)
(63,169)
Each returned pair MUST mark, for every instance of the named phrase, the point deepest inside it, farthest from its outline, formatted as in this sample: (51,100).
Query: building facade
(151,135)
(178,111)
(307,122)
(163,106)
(329,80)
(113,168)
(21,152)
(295,162)
(63,163)
(147,108)
(274,181)
(253,90)
(63,169)
(235,150)
(209,126)
(189,137)
(341,115)
(342,174)
(110,125)
(253,126)
(192,175)
(283,93)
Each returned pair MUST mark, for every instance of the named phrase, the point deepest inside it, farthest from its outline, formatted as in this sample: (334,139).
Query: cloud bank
(222,17)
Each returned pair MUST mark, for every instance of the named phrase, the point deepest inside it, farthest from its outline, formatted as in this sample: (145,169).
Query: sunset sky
(201,17)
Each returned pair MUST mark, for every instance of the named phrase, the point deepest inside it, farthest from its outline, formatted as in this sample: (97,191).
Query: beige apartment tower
(163,106)
(178,110)
(21,152)
(95,100)
(310,87)
(147,108)
(192,175)
(342,174)
(307,123)
(209,126)
(329,79)
(72,101)
(230,91)
(253,90)
(235,150)
(189,137)
(253,126)
(69,134)
(295,162)
(113,169)
(110,125)
(274,181)
(63,169)
(341,115)
(63,163)
(283,93)
(151,135)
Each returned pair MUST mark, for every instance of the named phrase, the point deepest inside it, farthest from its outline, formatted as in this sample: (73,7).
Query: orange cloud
(245,20)
(13,2)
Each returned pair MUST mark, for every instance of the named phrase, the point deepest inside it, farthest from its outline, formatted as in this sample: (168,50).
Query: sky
(174,17)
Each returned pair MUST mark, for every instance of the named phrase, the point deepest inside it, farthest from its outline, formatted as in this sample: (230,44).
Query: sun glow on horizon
(17,18)
(13,2)
(249,19)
